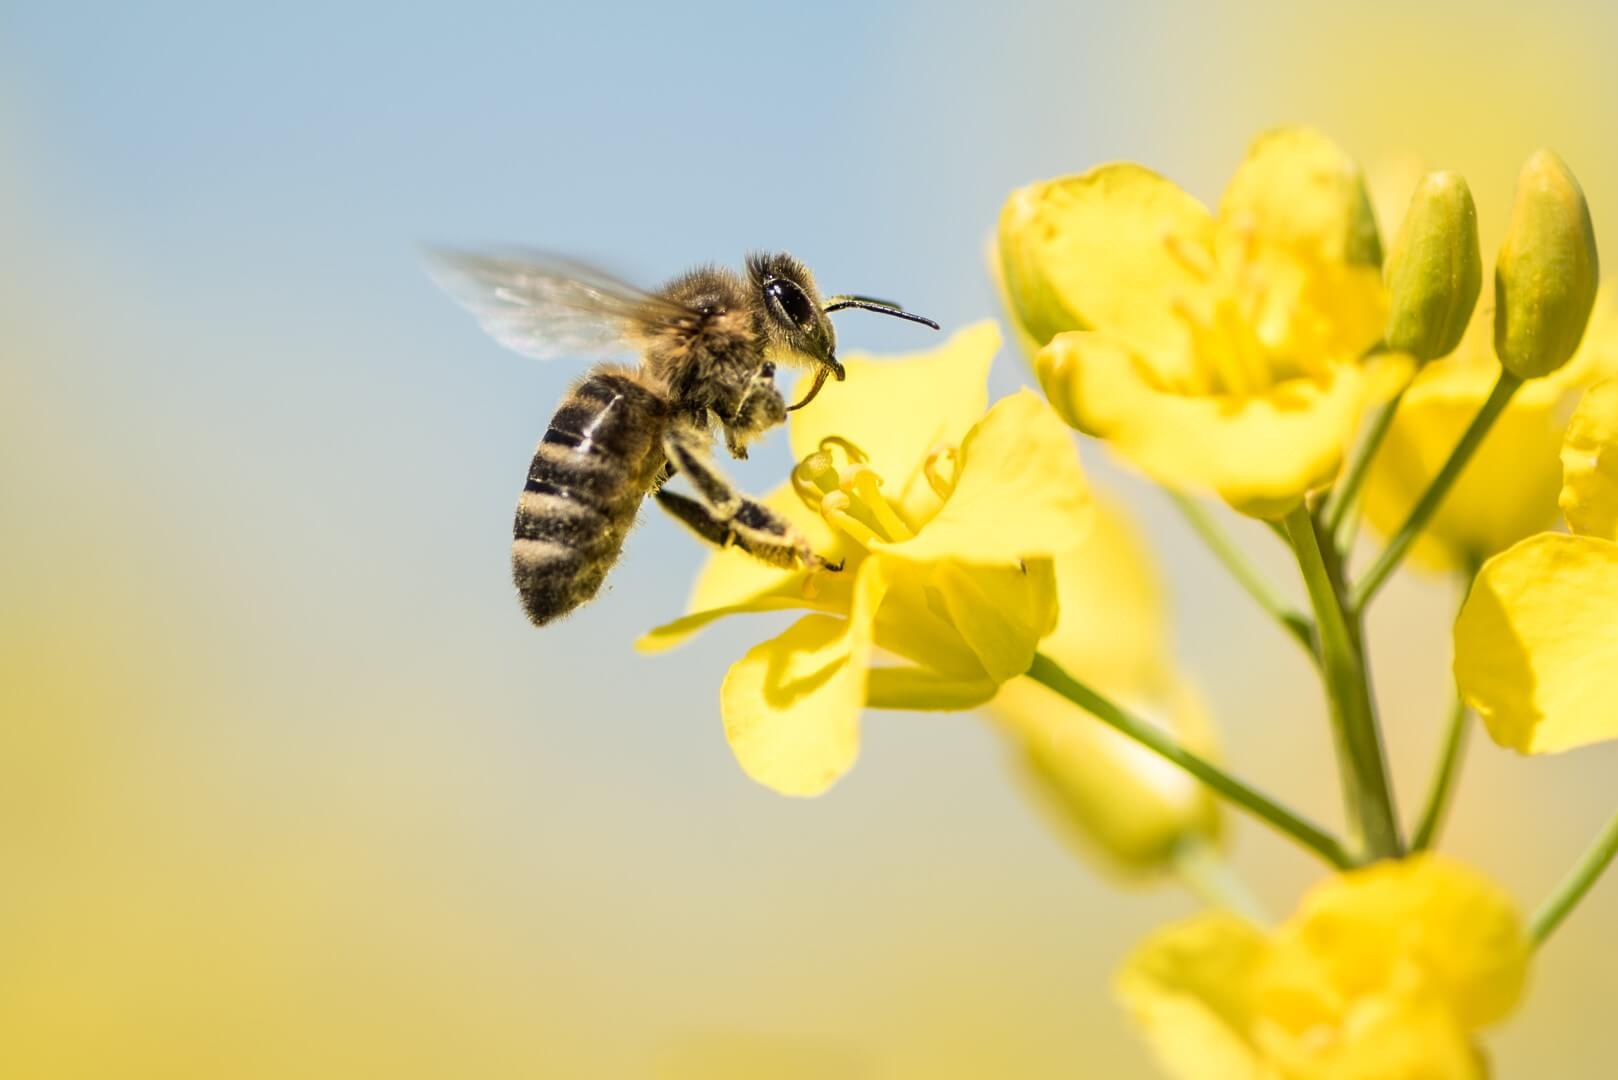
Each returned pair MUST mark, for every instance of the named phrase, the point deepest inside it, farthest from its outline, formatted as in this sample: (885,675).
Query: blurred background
(288,786)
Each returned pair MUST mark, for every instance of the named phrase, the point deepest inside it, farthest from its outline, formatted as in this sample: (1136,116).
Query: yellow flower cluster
(1381,974)
(1239,352)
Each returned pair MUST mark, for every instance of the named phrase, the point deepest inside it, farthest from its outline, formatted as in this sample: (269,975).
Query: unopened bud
(1545,278)
(1435,270)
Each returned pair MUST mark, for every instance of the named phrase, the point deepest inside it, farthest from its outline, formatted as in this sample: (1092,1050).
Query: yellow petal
(791,706)
(1117,800)
(1459,929)
(1590,464)
(1190,988)
(914,623)
(1536,644)
(1000,612)
(1407,1032)
(733,582)
(1506,493)
(916,688)
(667,636)
(1297,222)
(1296,189)
(897,409)
(1261,453)
(1098,252)
(1019,493)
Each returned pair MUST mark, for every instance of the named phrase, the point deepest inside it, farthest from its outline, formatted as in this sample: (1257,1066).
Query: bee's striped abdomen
(588,477)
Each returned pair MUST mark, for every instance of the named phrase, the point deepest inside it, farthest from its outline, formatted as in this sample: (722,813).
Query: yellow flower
(946,518)
(1217,352)
(1536,643)
(1118,801)
(1509,489)
(1383,973)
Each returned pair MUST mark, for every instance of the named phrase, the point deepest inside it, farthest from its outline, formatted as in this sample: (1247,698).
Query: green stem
(1049,673)
(1208,875)
(1438,795)
(1367,798)
(1504,387)
(1347,491)
(1246,574)
(1576,884)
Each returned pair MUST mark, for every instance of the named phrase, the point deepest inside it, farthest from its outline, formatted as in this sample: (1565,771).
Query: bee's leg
(724,516)
(764,544)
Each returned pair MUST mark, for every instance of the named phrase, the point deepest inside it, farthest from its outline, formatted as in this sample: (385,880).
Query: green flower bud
(1435,271)
(1545,278)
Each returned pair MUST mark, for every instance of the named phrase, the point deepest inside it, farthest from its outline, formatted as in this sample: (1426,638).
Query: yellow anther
(855,454)
(813,477)
(1192,259)
(806,489)
(942,485)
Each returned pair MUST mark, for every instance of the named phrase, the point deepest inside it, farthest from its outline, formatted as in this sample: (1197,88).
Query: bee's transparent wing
(546,306)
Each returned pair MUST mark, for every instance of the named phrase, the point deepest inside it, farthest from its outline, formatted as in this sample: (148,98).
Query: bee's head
(795,320)
(795,326)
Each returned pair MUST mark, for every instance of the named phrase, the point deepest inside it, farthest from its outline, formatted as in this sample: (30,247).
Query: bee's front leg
(725,517)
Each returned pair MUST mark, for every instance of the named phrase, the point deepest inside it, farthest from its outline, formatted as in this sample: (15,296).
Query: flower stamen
(835,509)
(863,483)
(855,454)
(942,485)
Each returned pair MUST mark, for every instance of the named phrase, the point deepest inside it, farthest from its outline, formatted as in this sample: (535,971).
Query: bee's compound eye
(768,370)
(791,302)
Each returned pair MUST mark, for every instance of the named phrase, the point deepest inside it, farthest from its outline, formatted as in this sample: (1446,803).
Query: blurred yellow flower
(1536,643)
(1219,352)
(1383,973)
(1121,803)
(946,518)
(1509,490)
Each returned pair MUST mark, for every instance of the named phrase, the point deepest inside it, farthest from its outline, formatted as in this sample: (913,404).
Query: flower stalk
(1388,561)
(1443,785)
(1367,797)
(1578,882)
(1338,512)
(1294,622)
(1049,673)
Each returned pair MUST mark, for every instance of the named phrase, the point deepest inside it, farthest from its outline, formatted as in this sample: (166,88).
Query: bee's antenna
(871,303)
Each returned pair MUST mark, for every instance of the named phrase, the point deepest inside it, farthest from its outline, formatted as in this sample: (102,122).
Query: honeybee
(709,342)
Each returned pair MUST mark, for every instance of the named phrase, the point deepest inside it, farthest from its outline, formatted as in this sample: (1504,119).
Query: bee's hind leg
(725,517)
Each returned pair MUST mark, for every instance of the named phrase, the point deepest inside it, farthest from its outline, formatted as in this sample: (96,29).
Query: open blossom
(945,516)
(1536,644)
(1382,973)
(1214,351)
